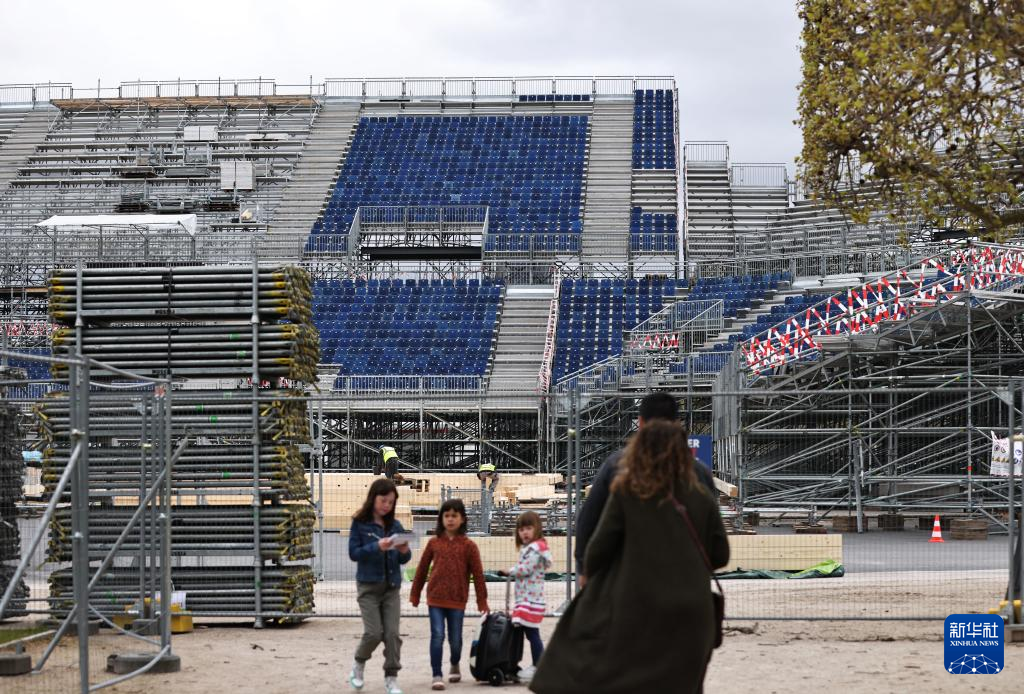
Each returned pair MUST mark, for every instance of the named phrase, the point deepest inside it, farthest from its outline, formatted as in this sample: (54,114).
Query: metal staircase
(316,172)
(22,142)
(519,350)
(605,236)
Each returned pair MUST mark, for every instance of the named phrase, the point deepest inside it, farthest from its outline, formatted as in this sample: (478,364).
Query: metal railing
(680,327)
(473,88)
(369,386)
(433,217)
(897,296)
(544,377)
(705,152)
(43,93)
(443,88)
(758,176)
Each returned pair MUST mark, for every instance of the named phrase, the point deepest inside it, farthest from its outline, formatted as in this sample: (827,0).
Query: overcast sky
(736,62)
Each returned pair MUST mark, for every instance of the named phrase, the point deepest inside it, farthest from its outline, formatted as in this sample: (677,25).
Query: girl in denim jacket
(379,580)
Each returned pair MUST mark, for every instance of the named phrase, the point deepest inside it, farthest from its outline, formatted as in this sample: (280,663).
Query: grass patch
(8,635)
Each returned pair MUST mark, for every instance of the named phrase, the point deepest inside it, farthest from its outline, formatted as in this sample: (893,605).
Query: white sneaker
(526,673)
(391,686)
(355,678)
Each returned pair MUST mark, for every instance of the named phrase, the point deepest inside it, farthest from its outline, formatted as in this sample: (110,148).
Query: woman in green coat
(645,622)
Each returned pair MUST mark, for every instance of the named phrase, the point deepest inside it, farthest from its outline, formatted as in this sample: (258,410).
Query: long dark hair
(451,505)
(380,487)
(657,461)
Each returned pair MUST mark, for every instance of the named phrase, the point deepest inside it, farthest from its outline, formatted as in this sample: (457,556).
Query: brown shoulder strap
(696,539)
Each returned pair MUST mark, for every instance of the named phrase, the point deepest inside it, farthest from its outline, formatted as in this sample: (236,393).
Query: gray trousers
(380,606)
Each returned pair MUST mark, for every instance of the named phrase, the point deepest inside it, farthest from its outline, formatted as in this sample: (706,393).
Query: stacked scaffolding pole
(239,488)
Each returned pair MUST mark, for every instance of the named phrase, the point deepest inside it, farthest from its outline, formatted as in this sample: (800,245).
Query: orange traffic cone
(936,531)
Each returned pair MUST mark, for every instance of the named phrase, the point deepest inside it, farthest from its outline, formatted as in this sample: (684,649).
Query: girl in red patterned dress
(534,560)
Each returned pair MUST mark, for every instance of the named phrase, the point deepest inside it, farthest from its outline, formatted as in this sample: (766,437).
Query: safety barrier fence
(889,571)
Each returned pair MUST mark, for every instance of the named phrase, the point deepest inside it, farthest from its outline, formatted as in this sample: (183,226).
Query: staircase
(520,346)
(314,175)
(759,192)
(605,236)
(22,143)
(709,214)
(655,190)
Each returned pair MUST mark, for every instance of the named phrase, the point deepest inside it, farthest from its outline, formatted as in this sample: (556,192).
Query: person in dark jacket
(378,581)
(645,622)
(654,406)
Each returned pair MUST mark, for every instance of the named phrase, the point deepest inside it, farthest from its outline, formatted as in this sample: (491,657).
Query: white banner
(1001,456)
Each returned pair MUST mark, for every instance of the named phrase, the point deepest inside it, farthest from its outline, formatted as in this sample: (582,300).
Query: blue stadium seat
(528,169)
(653,129)
(444,327)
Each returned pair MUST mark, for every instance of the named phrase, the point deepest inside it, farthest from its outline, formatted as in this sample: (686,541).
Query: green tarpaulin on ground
(826,569)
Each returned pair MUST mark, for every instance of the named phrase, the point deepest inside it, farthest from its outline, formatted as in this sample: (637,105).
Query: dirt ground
(759,655)
(313,658)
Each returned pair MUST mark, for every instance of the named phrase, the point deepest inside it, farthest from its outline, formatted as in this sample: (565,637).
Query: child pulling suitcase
(495,653)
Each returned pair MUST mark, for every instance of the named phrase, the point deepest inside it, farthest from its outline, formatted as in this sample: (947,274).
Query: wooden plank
(500,552)
(724,487)
(782,552)
(178,102)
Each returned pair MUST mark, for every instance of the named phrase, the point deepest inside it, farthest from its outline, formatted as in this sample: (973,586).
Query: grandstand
(494,259)
(440,218)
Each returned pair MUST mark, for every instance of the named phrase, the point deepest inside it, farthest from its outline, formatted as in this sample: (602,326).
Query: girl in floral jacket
(534,560)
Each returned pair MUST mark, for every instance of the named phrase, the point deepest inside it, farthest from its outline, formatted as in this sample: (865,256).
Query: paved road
(873,551)
(910,550)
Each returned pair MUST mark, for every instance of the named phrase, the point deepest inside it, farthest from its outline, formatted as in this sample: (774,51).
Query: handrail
(544,377)
(473,88)
(933,281)
(705,152)
(759,176)
(444,88)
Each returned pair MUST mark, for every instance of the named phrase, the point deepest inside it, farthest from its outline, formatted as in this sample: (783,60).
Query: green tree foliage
(915,107)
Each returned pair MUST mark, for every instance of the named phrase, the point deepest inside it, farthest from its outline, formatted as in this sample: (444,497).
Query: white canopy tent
(141,223)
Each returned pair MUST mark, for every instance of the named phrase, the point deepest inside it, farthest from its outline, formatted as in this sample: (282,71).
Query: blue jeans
(438,617)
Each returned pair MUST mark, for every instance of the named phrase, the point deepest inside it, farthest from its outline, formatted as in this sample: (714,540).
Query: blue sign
(974,644)
(700,444)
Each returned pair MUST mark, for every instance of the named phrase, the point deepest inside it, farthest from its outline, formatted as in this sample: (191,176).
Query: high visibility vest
(388,452)
(488,467)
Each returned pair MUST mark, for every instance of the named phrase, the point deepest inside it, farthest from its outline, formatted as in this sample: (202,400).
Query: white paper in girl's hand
(402,539)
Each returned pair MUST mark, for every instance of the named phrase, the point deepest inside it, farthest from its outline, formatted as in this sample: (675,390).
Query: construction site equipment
(242,424)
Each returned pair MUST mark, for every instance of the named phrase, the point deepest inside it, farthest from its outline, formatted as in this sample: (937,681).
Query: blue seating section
(736,292)
(652,231)
(36,370)
(704,361)
(792,306)
(528,169)
(554,97)
(406,327)
(593,314)
(653,130)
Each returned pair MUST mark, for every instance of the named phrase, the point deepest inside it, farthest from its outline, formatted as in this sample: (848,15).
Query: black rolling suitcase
(495,654)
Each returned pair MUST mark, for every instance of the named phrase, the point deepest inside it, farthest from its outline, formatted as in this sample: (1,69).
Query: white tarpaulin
(139,222)
(1001,456)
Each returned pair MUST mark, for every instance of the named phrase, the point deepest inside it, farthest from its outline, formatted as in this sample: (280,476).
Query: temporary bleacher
(160,157)
(652,231)
(21,131)
(653,129)
(407,327)
(527,169)
(593,314)
(653,222)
